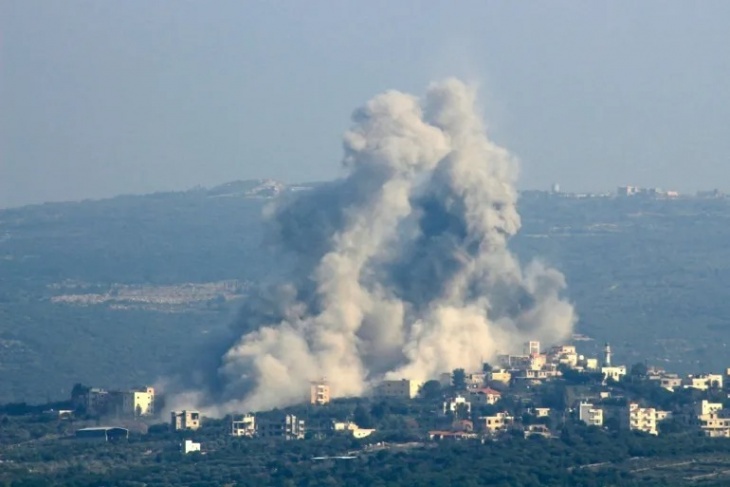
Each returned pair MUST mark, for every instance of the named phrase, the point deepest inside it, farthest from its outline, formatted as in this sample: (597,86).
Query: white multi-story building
(643,419)
(532,348)
(590,415)
(456,403)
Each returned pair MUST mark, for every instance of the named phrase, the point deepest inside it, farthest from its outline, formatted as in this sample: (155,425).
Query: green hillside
(119,291)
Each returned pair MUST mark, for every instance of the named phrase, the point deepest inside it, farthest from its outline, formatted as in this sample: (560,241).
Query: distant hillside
(116,292)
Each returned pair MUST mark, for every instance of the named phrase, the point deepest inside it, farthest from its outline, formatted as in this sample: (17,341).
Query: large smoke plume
(403,269)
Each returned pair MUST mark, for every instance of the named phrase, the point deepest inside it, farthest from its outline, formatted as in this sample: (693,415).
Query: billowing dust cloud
(403,269)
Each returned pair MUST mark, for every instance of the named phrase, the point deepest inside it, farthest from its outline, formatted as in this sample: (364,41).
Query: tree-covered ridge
(647,275)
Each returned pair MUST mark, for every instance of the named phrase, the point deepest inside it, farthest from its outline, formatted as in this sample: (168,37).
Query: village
(533,394)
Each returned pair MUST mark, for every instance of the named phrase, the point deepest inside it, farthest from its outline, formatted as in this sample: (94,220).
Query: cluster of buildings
(535,366)
(473,407)
(645,192)
(129,403)
(289,427)
(632,416)
(702,382)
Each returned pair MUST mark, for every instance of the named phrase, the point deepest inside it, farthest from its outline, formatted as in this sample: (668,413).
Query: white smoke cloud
(404,269)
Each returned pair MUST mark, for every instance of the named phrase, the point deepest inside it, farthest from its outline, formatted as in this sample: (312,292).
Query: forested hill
(117,292)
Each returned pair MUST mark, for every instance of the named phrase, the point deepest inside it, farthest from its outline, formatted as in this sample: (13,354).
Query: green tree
(639,370)
(461,412)
(431,390)
(361,416)
(458,379)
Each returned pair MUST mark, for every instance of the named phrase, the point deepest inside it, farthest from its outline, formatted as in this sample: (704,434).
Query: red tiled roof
(488,390)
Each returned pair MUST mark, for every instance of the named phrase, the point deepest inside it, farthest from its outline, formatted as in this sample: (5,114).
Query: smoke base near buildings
(402,267)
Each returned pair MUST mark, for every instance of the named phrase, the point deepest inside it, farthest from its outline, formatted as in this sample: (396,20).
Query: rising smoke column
(403,265)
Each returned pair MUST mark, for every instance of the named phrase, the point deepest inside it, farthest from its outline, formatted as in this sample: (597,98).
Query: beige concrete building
(540,412)
(139,402)
(590,363)
(537,430)
(537,361)
(484,396)
(404,388)
(534,375)
(498,422)
(500,375)
(706,407)
(662,415)
(475,380)
(715,426)
(670,382)
(590,415)
(185,420)
(99,401)
(244,426)
(714,421)
(319,393)
(703,382)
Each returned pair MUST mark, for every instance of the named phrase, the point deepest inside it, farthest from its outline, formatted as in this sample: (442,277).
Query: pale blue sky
(99,98)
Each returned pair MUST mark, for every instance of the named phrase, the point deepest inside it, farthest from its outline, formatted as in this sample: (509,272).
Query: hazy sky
(105,97)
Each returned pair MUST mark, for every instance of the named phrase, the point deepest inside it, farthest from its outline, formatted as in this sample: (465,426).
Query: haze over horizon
(99,99)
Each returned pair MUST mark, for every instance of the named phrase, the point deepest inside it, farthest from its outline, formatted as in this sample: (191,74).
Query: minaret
(607,355)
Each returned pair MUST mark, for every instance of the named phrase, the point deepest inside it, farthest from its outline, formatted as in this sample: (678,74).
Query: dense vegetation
(580,456)
(37,448)
(647,275)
